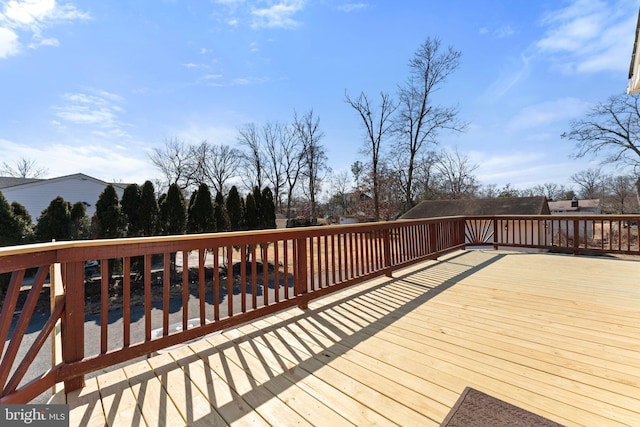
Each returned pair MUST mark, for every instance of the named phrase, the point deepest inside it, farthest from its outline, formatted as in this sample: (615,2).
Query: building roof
(10,181)
(495,206)
(566,205)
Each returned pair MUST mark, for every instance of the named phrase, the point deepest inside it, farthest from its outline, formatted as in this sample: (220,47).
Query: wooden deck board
(556,335)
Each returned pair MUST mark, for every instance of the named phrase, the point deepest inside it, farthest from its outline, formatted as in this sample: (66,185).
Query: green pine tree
(234,209)
(109,218)
(149,211)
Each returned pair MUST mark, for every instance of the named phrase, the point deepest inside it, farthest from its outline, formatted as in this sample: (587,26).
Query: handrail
(224,271)
(299,265)
(564,233)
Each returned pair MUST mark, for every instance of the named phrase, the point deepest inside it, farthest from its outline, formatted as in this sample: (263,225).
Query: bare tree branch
(419,121)
(377,123)
(24,168)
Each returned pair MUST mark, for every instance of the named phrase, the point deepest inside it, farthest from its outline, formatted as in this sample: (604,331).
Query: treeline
(139,213)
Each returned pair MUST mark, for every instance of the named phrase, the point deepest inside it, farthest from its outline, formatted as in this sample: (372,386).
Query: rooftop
(554,334)
(473,207)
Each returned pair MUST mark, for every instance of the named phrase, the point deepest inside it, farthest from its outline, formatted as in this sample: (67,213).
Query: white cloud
(30,18)
(280,15)
(512,74)
(589,36)
(98,108)
(504,31)
(542,115)
(28,12)
(353,7)
(9,44)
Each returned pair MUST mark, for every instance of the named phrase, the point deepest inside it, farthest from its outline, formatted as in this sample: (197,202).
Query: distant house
(281,221)
(36,194)
(576,207)
(474,207)
(482,230)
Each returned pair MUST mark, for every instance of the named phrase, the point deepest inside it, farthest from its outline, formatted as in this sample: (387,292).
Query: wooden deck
(556,335)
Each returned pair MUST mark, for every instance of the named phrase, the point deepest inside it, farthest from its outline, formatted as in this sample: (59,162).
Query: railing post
(495,234)
(576,236)
(386,236)
(301,280)
(73,321)
(433,238)
(462,235)
(56,293)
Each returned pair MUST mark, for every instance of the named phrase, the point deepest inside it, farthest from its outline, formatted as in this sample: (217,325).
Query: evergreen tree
(174,211)
(243,215)
(80,222)
(251,213)
(268,209)
(148,210)
(234,209)
(55,221)
(109,219)
(220,215)
(131,201)
(201,214)
(191,226)
(19,211)
(12,231)
(22,214)
(257,198)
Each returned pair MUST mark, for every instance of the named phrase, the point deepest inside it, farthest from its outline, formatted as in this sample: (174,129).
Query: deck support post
(73,320)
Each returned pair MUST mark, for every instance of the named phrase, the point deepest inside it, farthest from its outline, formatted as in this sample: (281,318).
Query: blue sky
(93,86)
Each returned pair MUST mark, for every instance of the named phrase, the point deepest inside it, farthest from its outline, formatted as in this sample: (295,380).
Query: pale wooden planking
(229,404)
(194,407)
(285,343)
(155,404)
(85,406)
(519,327)
(266,367)
(265,403)
(118,401)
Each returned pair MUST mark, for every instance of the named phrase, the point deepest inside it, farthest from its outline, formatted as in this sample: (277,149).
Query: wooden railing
(570,233)
(119,295)
(126,298)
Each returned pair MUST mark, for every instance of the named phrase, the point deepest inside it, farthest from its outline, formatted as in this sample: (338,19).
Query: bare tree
(377,124)
(175,161)
(591,183)
(221,164)
(610,131)
(456,175)
(425,176)
(277,138)
(307,130)
(621,191)
(24,168)
(550,190)
(339,201)
(419,120)
(249,137)
(293,158)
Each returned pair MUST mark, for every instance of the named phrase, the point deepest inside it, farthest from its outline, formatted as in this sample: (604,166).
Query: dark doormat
(477,409)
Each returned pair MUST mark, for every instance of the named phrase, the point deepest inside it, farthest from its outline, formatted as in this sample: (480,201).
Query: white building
(36,194)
